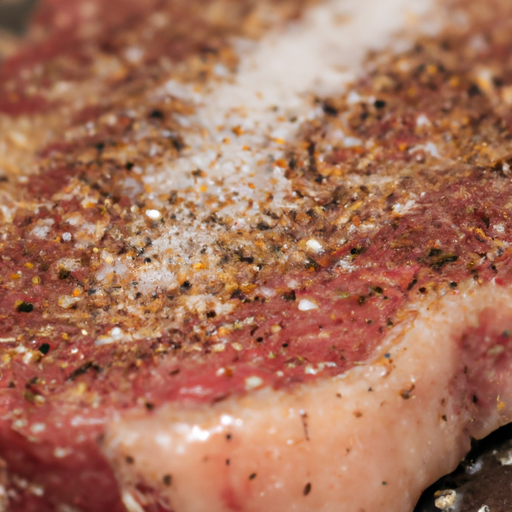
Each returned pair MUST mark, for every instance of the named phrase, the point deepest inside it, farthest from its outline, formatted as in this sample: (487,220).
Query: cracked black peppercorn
(25,307)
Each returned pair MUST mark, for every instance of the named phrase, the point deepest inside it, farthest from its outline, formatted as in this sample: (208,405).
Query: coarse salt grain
(60,453)
(67,301)
(134,54)
(130,503)
(116,332)
(27,358)
(154,214)
(307,305)
(422,120)
(314,245)
(309,370)
(353,98)
(253,382)
(352,142)
(36,428)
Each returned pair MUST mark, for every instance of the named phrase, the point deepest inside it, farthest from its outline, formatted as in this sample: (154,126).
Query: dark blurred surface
(15,14)
(484,477)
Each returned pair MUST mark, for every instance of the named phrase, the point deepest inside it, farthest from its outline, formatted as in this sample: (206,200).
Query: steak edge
(370,440)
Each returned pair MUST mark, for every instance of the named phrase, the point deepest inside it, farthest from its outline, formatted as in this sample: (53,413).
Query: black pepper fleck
(329,109)
(289,296)
(89,365)
(25,307)
(407,393)
(411,284)
(64,273)
(44,348)
(156,114)
(262,226)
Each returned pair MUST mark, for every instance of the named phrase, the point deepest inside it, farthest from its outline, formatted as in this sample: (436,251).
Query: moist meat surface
(127,284)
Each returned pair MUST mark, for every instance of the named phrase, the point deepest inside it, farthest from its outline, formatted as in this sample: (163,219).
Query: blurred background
(14,15)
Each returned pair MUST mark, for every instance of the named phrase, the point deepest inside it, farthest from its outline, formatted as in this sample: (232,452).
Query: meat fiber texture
(255,254)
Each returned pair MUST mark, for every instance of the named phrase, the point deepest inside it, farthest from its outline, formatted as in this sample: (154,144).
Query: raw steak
(234,276)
